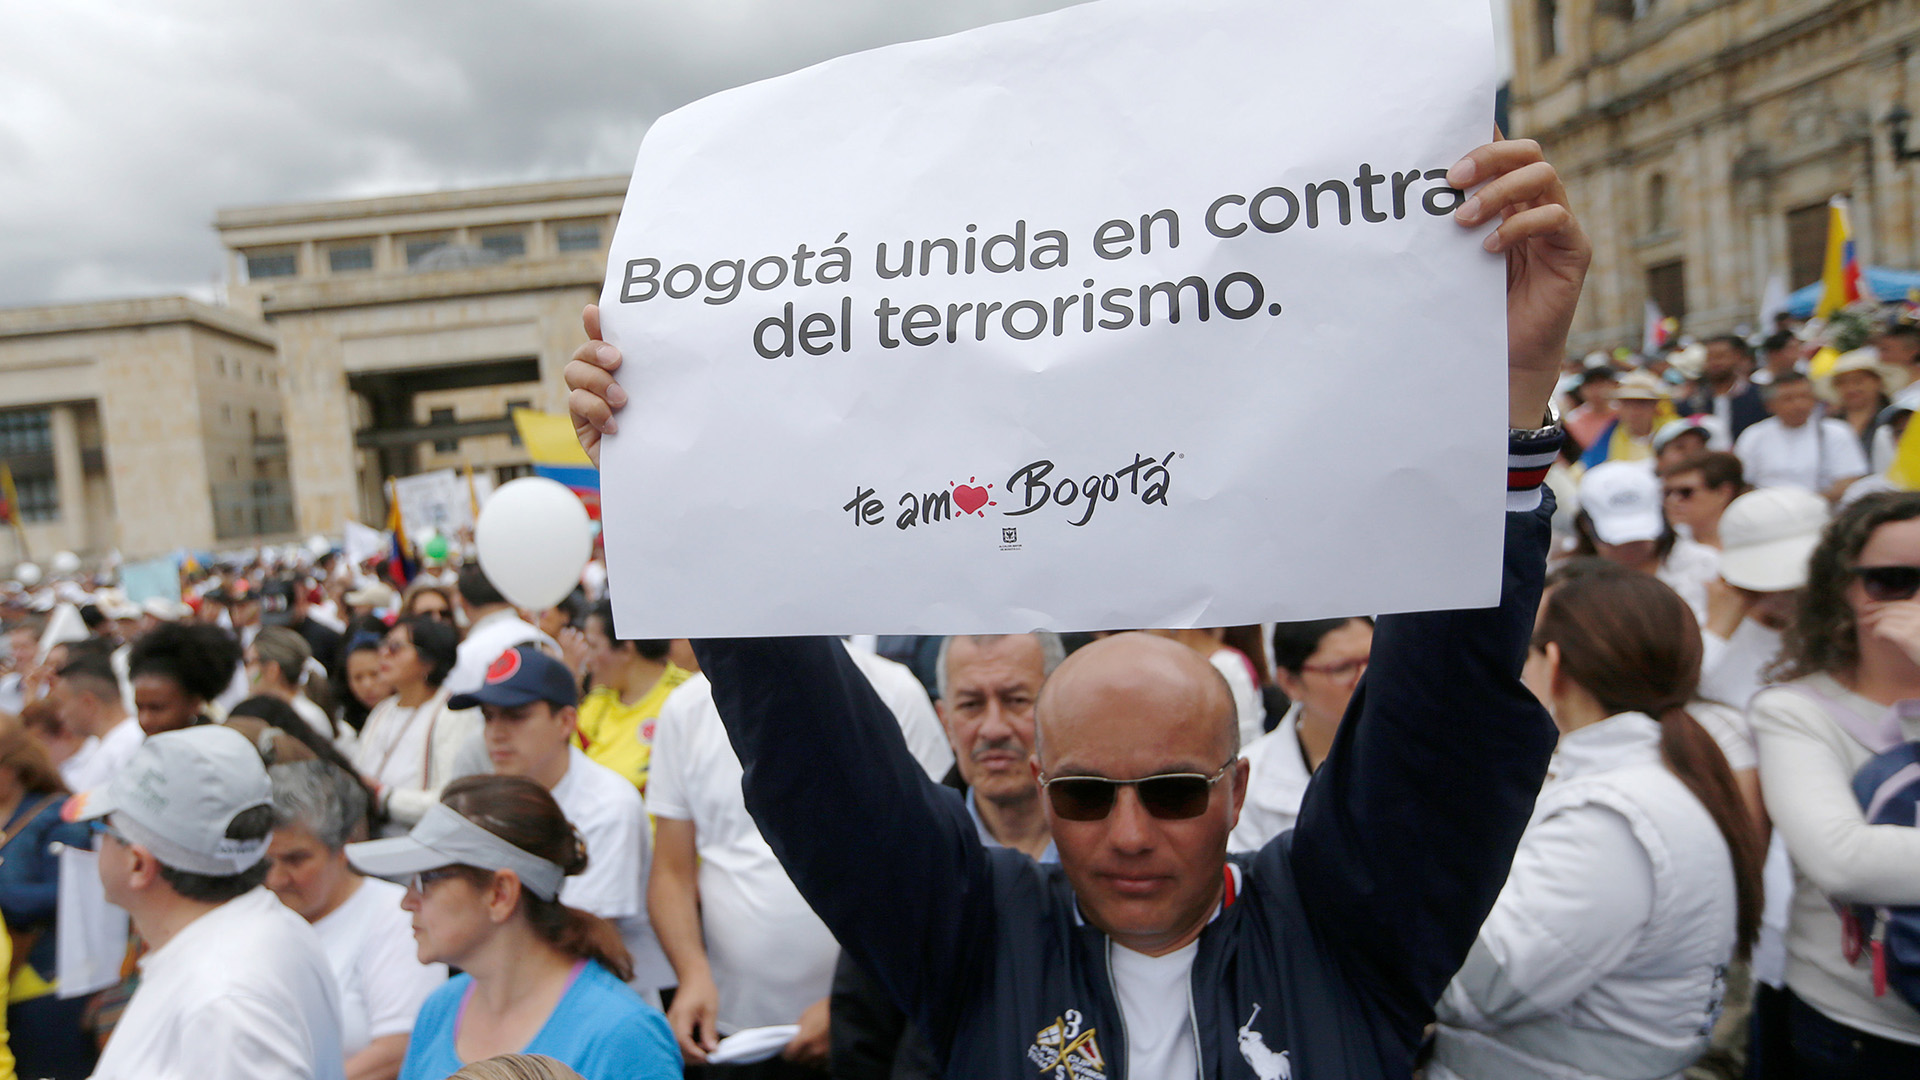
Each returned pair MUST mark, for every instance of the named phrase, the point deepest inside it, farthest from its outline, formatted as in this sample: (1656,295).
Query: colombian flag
(1843,282)
(401,566)
(556,454)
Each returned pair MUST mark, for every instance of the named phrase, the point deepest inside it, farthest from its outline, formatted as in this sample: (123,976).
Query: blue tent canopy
(1886,284)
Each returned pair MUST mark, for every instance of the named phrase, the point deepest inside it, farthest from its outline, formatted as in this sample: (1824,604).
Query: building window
(506,245)
(1642,8)
(346,260)
(226,414)
(421,247)
(271,264)
(1657,203)
(1667,287)
(504,473)
(39,498)
(578,237)
(443,446)
(26,432)
(1806,244)
(1548,24)
(513,407)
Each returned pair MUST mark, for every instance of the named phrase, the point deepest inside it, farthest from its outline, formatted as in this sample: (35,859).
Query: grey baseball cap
(178,795)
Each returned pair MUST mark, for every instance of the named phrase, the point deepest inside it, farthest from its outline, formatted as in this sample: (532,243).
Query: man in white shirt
(747,950)
(530,703)
(234,985)
(1796,448)
(493,627)
(1318,664)
(87,696)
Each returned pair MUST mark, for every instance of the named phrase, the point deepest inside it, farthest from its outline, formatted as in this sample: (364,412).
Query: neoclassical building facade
(1701,140)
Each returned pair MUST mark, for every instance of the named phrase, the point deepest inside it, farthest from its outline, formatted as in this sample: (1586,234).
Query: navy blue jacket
(1342,933)
(1747,408)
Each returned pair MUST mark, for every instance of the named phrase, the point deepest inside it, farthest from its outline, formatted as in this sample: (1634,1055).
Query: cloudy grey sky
(125,124)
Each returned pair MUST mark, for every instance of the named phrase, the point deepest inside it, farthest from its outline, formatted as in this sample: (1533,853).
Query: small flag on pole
(1843,282)
(1654,333)
(401,565)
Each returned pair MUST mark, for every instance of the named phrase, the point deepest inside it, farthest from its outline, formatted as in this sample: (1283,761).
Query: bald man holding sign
(1148,952)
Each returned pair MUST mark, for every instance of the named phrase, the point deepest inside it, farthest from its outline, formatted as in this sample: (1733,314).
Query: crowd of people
(1644,818)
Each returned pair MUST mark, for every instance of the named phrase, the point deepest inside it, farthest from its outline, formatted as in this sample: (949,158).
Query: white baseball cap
(1622,499)
(444,837)
(1767,536)
(178,795)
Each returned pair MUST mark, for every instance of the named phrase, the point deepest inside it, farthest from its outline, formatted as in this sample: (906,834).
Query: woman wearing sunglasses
(1852,654)
(1638,878)
(483,870)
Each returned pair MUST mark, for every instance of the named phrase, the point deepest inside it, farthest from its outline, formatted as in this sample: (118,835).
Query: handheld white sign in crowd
(1134,314)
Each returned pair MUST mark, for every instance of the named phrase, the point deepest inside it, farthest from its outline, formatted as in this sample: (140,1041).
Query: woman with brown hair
(483,869)
(430,600)
(1850,663)
(46,1035)
(1637,880)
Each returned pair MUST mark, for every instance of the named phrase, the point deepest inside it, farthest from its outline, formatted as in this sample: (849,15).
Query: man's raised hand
(1547,258)
(593,397)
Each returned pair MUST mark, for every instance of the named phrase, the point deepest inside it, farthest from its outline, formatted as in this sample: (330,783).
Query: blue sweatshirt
(1337,937)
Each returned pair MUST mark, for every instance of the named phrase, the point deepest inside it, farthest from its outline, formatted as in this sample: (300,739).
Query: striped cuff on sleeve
(1528,459)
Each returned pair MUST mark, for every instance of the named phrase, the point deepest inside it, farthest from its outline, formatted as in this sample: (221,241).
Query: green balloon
(436,548)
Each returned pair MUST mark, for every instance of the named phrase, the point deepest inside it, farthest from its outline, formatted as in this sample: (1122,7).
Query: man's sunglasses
(1885,583)
(99,827)
(1168,796)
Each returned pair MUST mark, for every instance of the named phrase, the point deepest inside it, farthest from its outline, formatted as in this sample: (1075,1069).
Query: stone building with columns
(361,339)
(140,425)
(1700,141)
(410,327)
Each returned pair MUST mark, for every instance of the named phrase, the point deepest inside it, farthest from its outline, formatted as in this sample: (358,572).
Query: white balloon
(318,546)
(27,574)
(533,541)
(66,562)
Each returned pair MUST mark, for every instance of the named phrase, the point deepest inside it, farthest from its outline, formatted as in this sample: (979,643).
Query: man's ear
(143,870)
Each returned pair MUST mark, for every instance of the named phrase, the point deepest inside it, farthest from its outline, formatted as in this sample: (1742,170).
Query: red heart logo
(969,498)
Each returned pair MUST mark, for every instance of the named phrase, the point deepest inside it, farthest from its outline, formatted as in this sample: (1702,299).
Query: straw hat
(1640,386)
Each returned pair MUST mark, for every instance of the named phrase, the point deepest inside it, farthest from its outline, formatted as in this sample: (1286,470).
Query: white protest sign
(91,933)
(439,501)
(1134,314)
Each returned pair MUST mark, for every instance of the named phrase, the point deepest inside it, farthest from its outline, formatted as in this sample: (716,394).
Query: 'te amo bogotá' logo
(1032,488)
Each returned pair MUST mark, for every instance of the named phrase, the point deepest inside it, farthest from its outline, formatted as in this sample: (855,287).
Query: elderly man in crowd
(1148,952)
(319,808)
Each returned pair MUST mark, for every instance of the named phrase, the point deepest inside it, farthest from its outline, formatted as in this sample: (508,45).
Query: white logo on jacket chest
(1265,1064)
